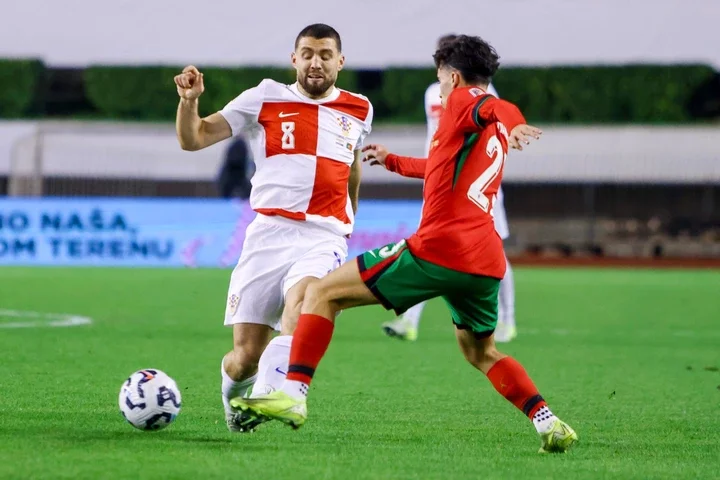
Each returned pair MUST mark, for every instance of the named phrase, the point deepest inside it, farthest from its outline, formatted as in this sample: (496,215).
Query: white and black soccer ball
(149,399)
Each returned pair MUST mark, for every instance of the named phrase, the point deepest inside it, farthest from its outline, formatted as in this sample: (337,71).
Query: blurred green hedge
(21,87)
(148,93)
(622,94)
(597,94)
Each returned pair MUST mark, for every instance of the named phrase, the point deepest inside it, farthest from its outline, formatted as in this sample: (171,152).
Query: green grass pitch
(628,358)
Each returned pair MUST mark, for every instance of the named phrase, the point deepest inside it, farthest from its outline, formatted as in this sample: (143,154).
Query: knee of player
(247,354)
(319,294)
(315,294)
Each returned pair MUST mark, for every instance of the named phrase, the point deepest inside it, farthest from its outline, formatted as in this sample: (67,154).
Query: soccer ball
(149,399)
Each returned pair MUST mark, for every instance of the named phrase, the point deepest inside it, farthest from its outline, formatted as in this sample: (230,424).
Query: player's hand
(190,83)
(375,154)
(522,134)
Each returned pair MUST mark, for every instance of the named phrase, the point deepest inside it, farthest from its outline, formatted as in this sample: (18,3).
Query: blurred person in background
(238,168)
(406,326)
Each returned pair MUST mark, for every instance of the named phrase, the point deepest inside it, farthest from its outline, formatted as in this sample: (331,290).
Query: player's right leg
(474,314)
(240,366)
(253,309)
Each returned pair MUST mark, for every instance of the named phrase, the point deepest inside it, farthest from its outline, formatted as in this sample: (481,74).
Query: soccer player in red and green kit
(456,253)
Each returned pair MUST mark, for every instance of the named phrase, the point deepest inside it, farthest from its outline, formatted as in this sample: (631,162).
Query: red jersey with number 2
(462,176)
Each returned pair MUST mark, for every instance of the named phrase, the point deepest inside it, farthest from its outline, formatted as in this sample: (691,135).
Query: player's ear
(293,60)
(341,62)
(455,79)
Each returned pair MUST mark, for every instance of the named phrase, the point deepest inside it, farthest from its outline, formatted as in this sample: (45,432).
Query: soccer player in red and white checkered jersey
(407,325)
(306,140)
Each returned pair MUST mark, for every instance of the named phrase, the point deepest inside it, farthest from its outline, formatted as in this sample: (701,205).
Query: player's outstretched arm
(521,135)
(195,133)
(405,166)
(491,109)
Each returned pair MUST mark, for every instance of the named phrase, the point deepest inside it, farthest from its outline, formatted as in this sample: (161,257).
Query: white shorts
(276,255)
(501,223)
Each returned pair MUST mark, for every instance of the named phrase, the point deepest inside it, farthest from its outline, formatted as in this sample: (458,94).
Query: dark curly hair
(445,39)
(475,59)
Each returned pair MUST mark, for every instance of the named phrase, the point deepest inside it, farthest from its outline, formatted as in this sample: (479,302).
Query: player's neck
(481,86)
(325,94)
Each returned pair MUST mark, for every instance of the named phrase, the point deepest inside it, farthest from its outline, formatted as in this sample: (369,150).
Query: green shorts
(399,280)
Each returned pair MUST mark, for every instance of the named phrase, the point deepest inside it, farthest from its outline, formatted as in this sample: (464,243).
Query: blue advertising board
(160,232)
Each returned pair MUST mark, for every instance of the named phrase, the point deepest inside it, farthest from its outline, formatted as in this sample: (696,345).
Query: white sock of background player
(272,366)
(506,298)
(413,314)
(232,388)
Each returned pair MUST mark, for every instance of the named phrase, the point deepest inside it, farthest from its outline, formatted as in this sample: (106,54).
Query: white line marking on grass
(30,319)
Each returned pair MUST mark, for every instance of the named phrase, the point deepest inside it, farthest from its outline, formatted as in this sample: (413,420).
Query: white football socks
(506,298)
(272,366)
(543,420)
(296,389)
(413,314)
(232,389)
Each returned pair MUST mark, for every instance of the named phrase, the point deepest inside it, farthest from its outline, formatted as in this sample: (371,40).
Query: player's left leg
(323,299)
(389,276)
(475,318)
(323,254)
(273,363)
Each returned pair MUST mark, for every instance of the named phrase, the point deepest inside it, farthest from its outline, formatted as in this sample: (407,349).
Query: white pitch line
(41,319)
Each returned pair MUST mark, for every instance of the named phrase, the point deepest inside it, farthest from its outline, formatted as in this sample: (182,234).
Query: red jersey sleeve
(406,166)
(473,109)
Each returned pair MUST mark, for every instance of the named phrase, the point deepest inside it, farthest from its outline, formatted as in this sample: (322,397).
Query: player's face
(317,62)
(449,80)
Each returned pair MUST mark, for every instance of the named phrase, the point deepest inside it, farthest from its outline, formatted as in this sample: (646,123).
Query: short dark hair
(475,59)
(319,31)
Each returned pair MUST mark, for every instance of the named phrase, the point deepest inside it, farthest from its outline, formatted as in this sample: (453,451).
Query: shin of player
(444,258)
(306,140)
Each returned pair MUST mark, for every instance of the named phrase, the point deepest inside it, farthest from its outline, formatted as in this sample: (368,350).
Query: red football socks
(309,344)
(512,382)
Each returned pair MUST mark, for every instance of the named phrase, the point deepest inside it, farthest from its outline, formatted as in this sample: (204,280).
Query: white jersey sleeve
(367,128)
(433,109)
(243,111)
(499,215)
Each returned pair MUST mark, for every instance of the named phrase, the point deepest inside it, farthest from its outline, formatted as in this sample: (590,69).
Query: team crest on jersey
(233,303)
(476,92)
(345,125)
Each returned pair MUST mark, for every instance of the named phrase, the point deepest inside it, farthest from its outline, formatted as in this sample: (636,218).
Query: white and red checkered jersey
(433,109)
(303,149)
